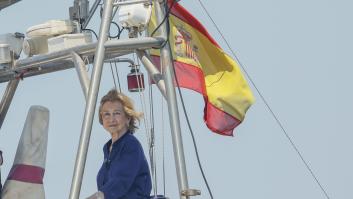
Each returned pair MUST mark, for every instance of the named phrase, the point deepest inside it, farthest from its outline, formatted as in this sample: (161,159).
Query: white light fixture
(135,15)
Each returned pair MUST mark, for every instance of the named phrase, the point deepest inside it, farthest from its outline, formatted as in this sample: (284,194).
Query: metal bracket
(190,192)
(81,72)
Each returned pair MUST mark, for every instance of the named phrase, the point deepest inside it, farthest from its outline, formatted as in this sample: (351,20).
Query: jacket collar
(107,144)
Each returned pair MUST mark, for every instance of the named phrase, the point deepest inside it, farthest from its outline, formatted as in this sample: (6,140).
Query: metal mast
(167,64)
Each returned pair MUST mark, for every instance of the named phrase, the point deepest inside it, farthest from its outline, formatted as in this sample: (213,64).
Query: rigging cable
(147,124)
(168,9)
(184,109)
(143,103)
(111,69)
(163,139)
(166,16)
(267,105)
(153,145)
(117,75)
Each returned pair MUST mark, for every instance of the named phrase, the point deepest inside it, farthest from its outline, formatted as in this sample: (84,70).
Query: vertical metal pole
(167,64)
(7,98)
(91,101)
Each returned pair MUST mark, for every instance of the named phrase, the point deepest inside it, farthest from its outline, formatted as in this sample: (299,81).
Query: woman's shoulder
(131,139)
(132,145)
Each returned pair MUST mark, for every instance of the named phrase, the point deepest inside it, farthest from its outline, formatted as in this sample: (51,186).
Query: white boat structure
(59,44)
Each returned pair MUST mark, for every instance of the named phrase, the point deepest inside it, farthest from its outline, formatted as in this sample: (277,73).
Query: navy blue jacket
(125,173)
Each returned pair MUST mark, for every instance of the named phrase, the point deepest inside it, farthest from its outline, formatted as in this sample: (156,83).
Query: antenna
(79,11)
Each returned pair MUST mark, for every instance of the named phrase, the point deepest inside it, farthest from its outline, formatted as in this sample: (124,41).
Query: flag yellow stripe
(225,86)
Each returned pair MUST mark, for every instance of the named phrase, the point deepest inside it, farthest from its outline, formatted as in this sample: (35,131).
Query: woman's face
(114,118)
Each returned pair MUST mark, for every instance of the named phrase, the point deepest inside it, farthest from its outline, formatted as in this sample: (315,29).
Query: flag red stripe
(184,15)
(219,121)
(26,173)
(191,77)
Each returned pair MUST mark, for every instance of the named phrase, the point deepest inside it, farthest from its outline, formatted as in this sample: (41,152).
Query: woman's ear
(128,121)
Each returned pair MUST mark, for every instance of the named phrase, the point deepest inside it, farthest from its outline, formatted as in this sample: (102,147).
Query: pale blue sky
(297,53)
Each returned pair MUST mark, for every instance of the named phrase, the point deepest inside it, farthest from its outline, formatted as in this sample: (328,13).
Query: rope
(267,105)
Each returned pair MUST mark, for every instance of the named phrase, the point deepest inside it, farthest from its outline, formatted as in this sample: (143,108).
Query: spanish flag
(201,65)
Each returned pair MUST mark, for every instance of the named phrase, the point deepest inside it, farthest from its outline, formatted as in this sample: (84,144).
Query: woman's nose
(112,118)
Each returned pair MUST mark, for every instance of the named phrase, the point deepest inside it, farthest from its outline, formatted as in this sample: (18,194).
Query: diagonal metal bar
(7,99)
(91,102)
(81,72)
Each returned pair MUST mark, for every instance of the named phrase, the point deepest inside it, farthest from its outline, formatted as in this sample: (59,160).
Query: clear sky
(298,53)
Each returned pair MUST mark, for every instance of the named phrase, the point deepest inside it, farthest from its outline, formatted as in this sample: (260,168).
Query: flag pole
(167,64)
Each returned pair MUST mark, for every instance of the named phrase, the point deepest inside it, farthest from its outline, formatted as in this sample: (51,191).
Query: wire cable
(111,69)
(143,102)
(153,145)
(117,75)
(95,34)
(165,17)
(119,31)
(267,104)
(167,10)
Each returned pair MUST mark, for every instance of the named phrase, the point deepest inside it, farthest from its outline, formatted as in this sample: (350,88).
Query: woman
(124,173)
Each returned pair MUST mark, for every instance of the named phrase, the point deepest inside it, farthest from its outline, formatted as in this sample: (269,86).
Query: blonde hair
(114,96)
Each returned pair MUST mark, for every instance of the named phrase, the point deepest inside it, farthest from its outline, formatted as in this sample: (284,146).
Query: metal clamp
(190,192)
